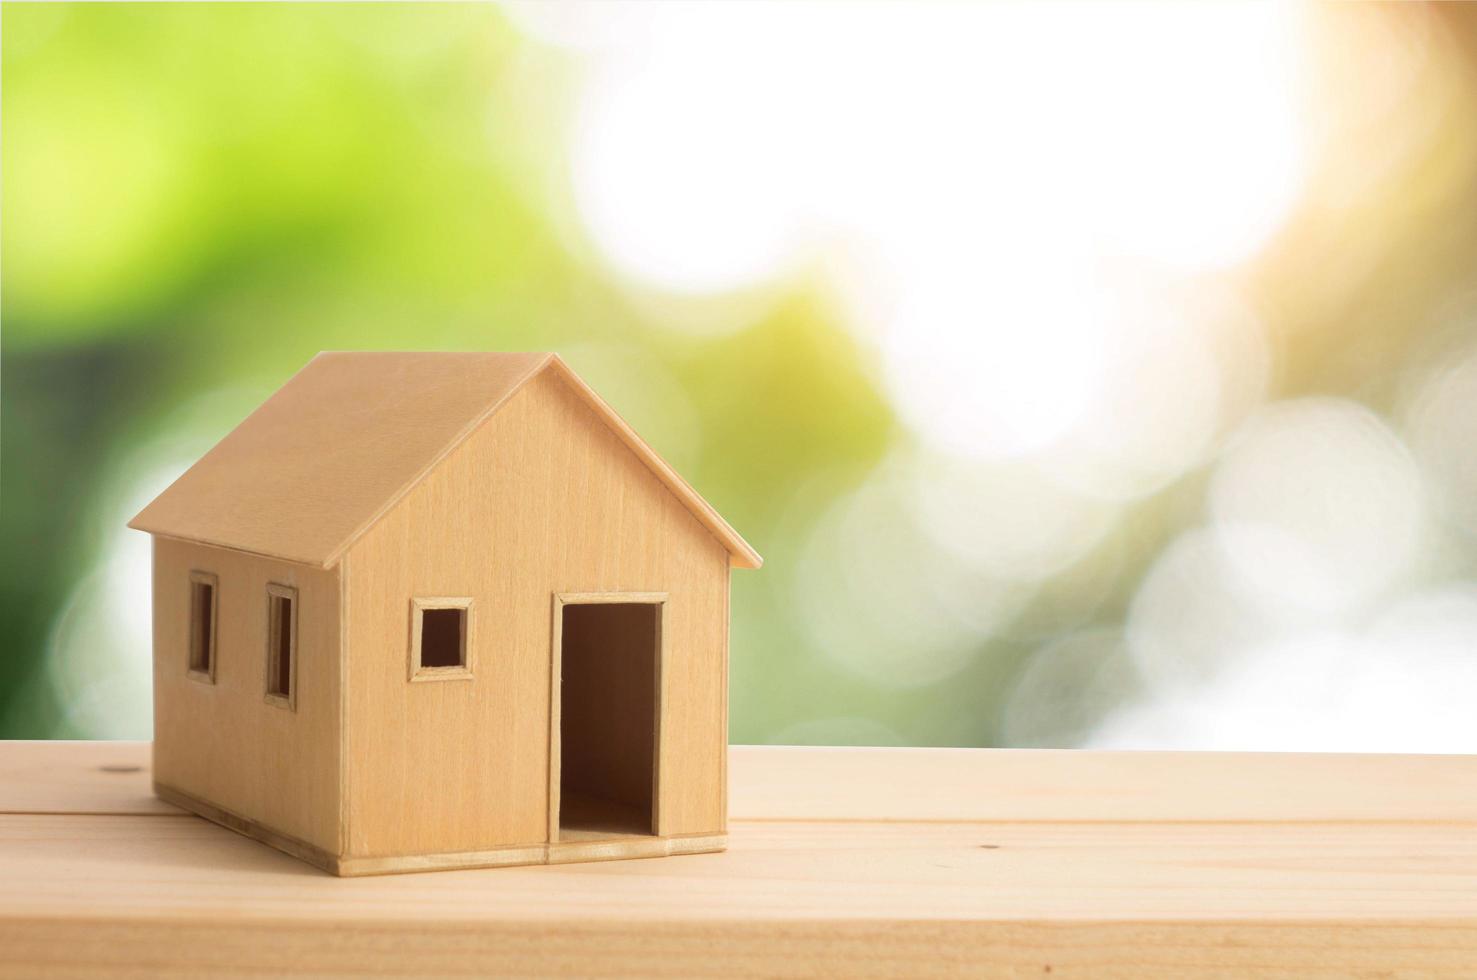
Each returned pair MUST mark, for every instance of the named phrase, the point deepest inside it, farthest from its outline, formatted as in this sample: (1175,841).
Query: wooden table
(843,862)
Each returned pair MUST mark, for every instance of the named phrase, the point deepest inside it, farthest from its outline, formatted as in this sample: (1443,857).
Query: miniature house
(442,610)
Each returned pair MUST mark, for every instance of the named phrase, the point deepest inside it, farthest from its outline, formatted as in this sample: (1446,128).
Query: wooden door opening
(604,763)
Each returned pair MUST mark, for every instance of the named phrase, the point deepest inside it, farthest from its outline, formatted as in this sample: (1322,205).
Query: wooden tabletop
(843,862)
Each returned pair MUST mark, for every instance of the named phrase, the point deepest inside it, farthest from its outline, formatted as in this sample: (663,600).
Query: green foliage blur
(200,197)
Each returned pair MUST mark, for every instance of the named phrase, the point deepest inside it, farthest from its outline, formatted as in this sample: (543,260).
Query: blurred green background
(1087,375)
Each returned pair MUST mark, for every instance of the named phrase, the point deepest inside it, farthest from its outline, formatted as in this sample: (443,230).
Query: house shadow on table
(186,842)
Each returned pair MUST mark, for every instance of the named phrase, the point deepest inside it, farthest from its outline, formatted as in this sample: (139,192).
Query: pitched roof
(323,459)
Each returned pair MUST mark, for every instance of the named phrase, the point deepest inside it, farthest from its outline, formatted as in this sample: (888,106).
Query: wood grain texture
(742,553)
(1029,784)
(390,484)
(593,843)
(773,782)
(307,474)
(543,499)
(1395,950)
(78,777)
(1374,888)
(332,449)
(223,742)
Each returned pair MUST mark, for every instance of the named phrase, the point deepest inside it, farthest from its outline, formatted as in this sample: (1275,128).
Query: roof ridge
(231,496)
(462,436)
(742,553)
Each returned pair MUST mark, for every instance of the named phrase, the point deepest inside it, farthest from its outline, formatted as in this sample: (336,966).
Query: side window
(282,646)
(203,588)
(440,639)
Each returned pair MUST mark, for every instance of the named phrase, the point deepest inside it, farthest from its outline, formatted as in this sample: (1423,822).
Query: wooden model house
(442,610)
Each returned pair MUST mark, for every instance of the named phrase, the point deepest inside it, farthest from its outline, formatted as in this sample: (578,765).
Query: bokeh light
(1319,505)
(1443,430)
(882,598)
(676,186)
(1088,374)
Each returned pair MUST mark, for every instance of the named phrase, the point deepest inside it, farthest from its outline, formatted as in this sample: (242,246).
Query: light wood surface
(318,464)
(841,862)
(1032,784)
(227,742)
(374,486)
(544,500)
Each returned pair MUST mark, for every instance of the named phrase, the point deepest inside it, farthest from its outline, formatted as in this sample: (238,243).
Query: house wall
(222,742)
(542,499)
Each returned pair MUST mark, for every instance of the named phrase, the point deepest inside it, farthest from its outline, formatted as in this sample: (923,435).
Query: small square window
(440,639)
(282,646)
(202,626)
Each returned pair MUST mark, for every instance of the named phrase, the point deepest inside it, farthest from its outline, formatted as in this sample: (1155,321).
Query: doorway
(607,665)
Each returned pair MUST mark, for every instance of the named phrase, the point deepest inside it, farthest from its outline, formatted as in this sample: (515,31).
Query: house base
(559,852)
